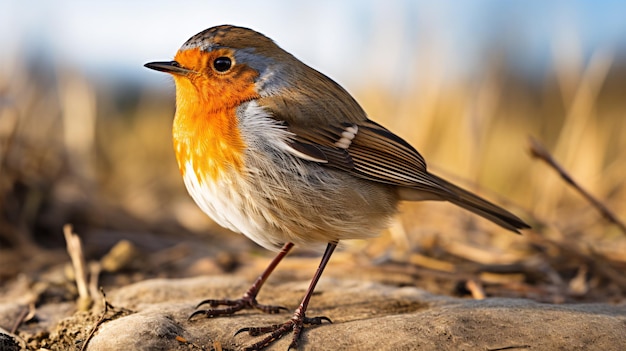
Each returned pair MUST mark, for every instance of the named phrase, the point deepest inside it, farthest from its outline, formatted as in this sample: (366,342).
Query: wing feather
(374,153)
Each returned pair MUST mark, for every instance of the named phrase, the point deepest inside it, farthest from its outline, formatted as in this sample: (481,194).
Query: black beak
(171,67)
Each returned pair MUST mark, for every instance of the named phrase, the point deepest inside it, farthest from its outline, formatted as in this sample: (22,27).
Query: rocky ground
(376,304)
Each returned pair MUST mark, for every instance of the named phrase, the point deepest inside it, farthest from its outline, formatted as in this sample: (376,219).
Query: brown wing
(367,150)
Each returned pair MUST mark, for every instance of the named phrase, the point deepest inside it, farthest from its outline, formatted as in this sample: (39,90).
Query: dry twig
(538,151)
(512,347)
(107,305)
(27,314)
(75,250)
(476,289)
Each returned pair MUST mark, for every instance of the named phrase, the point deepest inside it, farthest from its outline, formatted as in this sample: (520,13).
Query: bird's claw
(277,331)
(233,306)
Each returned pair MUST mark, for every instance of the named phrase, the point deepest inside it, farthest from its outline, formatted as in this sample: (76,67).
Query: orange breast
(206,137)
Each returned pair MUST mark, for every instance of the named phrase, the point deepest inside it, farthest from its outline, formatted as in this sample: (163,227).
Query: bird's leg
(248,300)
(298,320)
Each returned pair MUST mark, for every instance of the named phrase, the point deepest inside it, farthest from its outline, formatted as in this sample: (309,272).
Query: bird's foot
(277,331)
(232,306)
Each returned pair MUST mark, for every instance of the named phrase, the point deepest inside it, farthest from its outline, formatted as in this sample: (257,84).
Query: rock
(366,316)
(152,329)
(8,342)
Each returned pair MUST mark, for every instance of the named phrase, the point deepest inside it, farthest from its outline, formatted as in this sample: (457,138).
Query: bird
(271,148)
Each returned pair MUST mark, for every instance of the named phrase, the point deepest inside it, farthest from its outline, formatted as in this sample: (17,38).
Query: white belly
(225,203)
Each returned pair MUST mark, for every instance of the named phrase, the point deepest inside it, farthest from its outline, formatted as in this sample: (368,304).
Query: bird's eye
(222,64)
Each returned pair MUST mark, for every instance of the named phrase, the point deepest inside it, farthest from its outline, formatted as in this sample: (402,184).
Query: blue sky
(344,39)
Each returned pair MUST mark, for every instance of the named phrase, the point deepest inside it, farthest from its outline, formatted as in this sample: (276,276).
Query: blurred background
(85,134)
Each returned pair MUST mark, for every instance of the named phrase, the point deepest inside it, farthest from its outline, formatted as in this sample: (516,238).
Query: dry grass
(74,152)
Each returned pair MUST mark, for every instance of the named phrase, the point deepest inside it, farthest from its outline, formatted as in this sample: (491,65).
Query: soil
(378,304)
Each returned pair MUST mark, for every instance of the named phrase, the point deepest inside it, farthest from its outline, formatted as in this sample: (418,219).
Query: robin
(271,148)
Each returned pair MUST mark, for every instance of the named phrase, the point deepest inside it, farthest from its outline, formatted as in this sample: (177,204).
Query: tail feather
(470,202)
(484,208)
